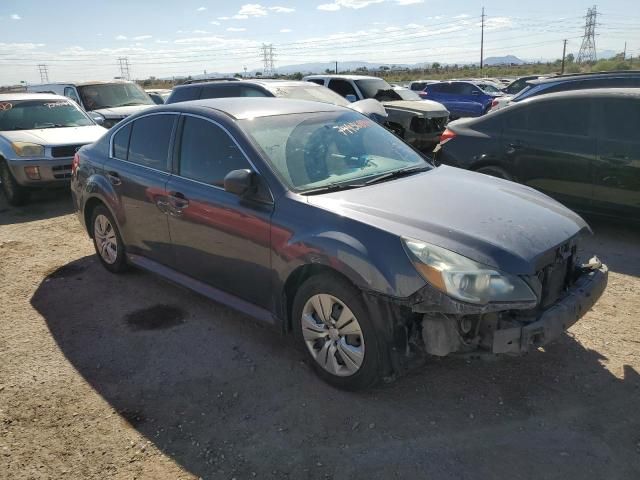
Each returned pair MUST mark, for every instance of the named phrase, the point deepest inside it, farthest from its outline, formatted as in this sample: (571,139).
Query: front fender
(99,188)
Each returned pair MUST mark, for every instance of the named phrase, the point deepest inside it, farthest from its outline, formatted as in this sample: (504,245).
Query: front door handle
(114,178)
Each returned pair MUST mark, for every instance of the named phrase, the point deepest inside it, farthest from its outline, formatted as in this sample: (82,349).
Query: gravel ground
(105,376)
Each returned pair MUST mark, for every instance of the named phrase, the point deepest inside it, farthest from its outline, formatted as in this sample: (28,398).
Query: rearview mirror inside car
(240,182)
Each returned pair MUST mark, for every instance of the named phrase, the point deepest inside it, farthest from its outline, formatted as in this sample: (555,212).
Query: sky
(82,40)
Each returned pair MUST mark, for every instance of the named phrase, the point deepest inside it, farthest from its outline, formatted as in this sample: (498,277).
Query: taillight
(75,163)
(494,103)
(446,136)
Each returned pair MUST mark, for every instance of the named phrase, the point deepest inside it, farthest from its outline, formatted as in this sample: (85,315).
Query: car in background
(581,147)
(418,85)
(159,95)
(233,87)
(579,81)
(520,84)
(418,123)
(106,102)
(39,135)
(317,221)
(462,98)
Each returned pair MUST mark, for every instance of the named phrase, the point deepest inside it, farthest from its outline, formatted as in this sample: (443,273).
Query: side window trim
(169,150)
(178,142)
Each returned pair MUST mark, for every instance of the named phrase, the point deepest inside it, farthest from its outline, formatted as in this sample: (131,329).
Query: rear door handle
(114,178)
(178,201)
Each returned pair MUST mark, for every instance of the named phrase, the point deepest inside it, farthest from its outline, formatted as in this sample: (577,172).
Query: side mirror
(351,97)
(99,119)
(240,182)
(371,108)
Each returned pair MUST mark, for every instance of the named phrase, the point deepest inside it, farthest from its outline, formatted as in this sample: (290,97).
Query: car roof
(264,82)
(346,77)
(584,76)
(587,92)
(254,107)
(6,97)
(82,84)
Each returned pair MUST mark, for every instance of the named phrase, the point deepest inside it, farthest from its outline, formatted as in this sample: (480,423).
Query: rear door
(550,147)
(218,237)
(616,172)
(138,169)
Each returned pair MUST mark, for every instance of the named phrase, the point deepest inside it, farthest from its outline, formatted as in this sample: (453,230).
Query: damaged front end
(566,292)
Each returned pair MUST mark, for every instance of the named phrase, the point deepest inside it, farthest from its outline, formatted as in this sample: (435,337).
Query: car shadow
(617,243)
(42,204)
(226,397)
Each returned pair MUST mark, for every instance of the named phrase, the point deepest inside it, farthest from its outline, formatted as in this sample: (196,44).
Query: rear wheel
(331,324)
(16,194)
(495,172)
(107,240)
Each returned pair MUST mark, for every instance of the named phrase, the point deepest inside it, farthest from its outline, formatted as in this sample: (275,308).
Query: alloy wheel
(106,240)
(332,335)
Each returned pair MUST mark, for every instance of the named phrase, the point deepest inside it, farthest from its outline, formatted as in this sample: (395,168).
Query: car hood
(429,108)
(57,136)
(495,222)
(121,112)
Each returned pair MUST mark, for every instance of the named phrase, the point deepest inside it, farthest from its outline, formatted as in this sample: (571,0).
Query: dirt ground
(125,377)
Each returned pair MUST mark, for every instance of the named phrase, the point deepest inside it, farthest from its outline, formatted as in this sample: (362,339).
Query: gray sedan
(314,219)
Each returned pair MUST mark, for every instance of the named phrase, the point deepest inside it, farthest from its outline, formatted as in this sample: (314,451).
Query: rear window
(184,94)
(149,143)
(611,112)
(560,117)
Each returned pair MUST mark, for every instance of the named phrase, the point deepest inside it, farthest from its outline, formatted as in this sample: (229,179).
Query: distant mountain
(506,60)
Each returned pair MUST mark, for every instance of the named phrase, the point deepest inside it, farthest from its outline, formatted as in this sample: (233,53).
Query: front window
(406,94)
(108,95)
(378,89)
(310,92)
(316,150)
(36,114)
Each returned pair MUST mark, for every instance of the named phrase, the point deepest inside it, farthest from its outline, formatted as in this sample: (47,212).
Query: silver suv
(39,136)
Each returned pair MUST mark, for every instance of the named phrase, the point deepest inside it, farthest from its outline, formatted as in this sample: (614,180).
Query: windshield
(108,95)
(406,94)
(304,92)
(314,150)
(378,89)
(487,87)
(36,114)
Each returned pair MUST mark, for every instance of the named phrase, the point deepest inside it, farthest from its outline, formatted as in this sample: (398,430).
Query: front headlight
(24,149)
(463,278)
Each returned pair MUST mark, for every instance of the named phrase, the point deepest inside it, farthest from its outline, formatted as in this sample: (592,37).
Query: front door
(138,169)
(549,147)
(616,172)
(218,237)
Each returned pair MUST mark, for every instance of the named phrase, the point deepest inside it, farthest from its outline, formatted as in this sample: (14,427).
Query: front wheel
(332,324)
(15,193)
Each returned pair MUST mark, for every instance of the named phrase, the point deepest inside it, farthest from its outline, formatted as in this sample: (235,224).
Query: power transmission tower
(124,68)
(482,42)
(588,48)
(267,59)
(44,73)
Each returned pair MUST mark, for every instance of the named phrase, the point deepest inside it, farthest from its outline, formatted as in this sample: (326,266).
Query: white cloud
(213,22)
(285,30)
(408,2)
(162,41)
(462,15)
(121,37)
(234,29)
(15,16)
(200,32)
(240,16)
(201,9)
(224,19)
(354,4)
(282,9)
(253,10)
(142,37)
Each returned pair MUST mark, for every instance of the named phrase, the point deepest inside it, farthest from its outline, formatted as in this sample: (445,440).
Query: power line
(588,48)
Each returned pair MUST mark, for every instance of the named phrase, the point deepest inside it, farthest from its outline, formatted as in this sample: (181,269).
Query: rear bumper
(555,320)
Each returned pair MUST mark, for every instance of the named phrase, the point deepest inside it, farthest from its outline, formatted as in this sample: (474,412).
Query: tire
(346,355)
(495,172)
(15,194)
(107,240)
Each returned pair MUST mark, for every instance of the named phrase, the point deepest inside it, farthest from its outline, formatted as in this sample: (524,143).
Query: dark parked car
(462,99)
(520,84)
(563,83)
(581,147)
(315,219)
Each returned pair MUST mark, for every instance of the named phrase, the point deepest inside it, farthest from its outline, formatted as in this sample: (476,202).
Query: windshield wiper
(397,174)
(131,104)
(332,187)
